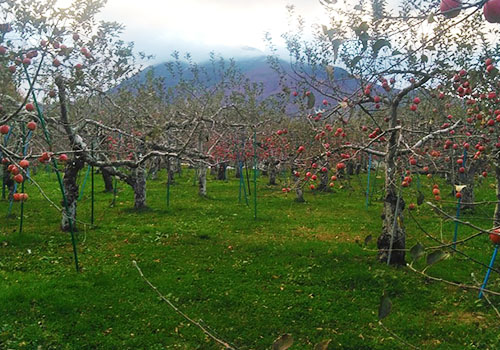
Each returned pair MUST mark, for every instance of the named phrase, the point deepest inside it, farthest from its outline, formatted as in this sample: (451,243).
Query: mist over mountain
(256,69)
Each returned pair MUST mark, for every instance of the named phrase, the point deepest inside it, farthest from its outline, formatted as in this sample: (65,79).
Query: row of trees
(421,95)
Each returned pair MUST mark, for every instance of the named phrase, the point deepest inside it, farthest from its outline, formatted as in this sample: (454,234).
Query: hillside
(256,69)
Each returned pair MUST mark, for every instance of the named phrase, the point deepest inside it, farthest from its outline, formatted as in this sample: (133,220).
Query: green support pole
(54,162)
(114,192)
(84,182)
(255,174)
(92,188)
(242,185)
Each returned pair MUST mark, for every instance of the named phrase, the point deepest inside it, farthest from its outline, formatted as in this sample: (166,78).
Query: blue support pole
(487,277)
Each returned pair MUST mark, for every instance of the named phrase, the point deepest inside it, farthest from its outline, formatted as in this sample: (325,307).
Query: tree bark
(237,170)
(299,194)
(324,184)
(273,171)
(221,171)
(140,188)
(202,180)
(108,180)
(71,190)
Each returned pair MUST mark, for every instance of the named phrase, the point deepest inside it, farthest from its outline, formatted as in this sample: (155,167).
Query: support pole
(367,201)
(487,277)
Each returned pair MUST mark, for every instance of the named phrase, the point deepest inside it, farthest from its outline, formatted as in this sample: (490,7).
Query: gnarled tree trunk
(108,180)
(139,187)
(272,171)
(71,191)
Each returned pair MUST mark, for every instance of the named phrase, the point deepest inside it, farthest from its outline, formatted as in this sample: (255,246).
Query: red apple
(29,107)
(3,50)
(24,164)
(4,129)
(495,236)
(63,158)
(450,8)
(491,11)
(31,126)
(18,178)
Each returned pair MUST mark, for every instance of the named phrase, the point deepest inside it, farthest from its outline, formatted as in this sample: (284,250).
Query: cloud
(201,26)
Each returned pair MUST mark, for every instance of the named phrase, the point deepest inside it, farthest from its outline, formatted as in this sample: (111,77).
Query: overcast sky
(229,27)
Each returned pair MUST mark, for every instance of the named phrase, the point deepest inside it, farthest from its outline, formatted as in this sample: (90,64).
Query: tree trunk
(392,216)
(178,167)
(71,191)
(350,168)
(299,194)
(8,182)
(237,171)
(324,184)
(467,178)
(108,180)
(221,171)
(170,171)
(273,172)
(202,180)
(140,188)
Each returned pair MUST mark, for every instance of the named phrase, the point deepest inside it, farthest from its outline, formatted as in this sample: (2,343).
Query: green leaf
(311,100)
(355,61)
(424,59)
(396,53)
(430,19)
(417,251)
(436,256)
(385,306)
(323,345)
(368,239)
(420,198)
(364,27)
(378,45)
(283,342)
(325,29)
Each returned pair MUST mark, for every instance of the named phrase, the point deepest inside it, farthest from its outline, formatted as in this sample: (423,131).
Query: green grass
(299,269)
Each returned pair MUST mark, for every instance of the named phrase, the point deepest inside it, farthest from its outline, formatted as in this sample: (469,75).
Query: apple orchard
(420,102)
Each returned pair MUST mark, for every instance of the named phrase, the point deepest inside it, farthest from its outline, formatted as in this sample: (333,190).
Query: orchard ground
(300,268)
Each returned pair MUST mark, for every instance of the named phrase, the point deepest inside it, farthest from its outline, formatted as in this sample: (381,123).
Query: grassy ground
(299,269)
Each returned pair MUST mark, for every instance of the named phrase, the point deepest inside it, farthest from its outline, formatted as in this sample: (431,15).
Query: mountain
(256,69)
